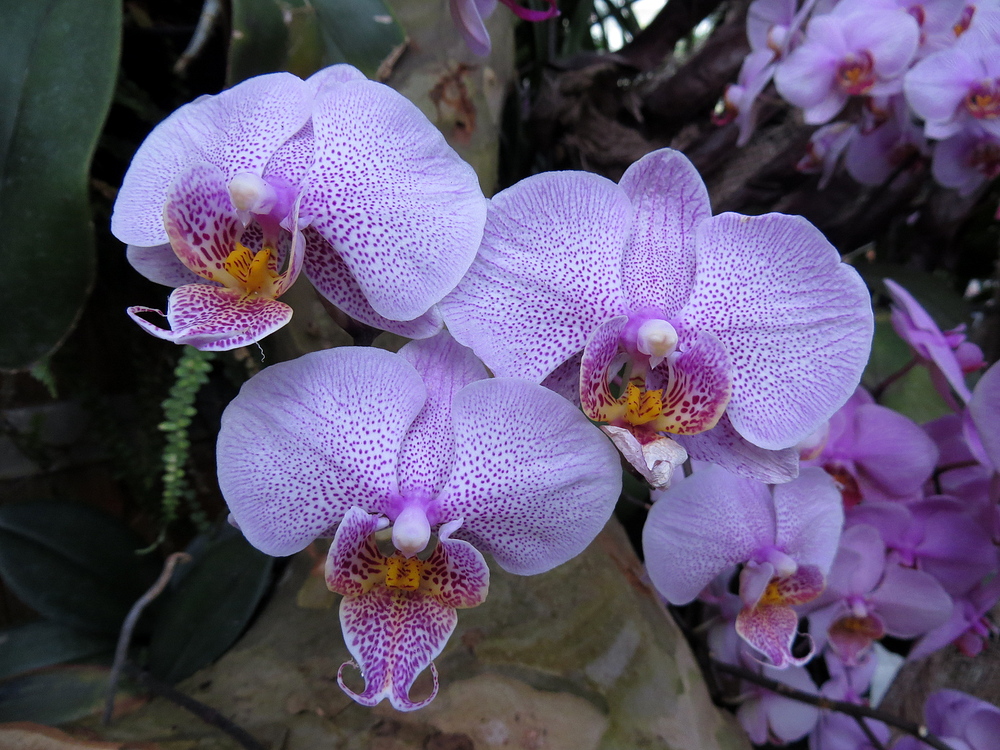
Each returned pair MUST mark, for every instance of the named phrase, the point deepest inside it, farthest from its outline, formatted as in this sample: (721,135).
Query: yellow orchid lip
(403,572)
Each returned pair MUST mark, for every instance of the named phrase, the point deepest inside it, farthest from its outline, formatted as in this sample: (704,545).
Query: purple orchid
(982,422)
(865,599)
(875,453)
(885,145)
(769,716)
(946,354)
(960,721)
(969,626)
(469,15)
(785,537)
(824,150)
(389,216)
(844,54)
(348,441)
(966,160)
(737,335)
(959,86)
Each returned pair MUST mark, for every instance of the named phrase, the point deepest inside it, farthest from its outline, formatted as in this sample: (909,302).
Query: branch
(654,43)
(851,709)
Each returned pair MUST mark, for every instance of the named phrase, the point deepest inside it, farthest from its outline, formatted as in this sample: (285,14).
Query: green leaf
(302,36)
(72,563)
(44,644)
(58,695)
(217,595)
(56,83)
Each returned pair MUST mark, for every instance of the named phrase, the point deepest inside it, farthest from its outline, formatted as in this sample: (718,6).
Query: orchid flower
(785,537)
(966,160)
(866,599)
(947,355)
(875,453)
(960,721)
(736,335)
(849,54)
(469,15)
(389,217)
(349,441)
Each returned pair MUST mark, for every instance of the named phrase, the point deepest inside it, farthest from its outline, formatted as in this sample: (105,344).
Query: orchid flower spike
(785,537)
(388,216)
(418,445)
(737,336)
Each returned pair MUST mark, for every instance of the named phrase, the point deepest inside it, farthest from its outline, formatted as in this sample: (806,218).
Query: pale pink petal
(809,514)
(656,461)
(911,602)
(670,200)
(306,440)
(215,319)
(395,202)
(548,273)
(468,15)
(984,410)
(161,265)
(797,322)
(700,526)
(534,480)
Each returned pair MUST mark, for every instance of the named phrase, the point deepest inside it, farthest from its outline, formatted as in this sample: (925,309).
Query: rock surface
(580,658)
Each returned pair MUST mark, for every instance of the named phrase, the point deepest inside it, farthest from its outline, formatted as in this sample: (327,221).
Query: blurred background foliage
(107,435)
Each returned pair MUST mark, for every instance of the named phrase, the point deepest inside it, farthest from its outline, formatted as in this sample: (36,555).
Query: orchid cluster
(917,559)
(888,81)
(588,323)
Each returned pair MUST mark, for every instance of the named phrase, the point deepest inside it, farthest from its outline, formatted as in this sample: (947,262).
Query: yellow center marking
(402,572)
(772,594)
(252,271)
(642,406)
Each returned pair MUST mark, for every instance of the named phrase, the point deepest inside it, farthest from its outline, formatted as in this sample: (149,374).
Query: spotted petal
(333,278)
(394,633)
(533,479)
(201,222)
(237,131)
(599,355)
(771,626)
(306,440)
(215,319)
(670,200)
(723,445)
(548,273)
(797,322)
(395,202)
(428,450)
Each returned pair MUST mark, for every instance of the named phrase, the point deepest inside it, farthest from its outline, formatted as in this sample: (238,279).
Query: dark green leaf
(57,695)
(44,644)
(216,597)
(60,58)
(72,563)
(360,32)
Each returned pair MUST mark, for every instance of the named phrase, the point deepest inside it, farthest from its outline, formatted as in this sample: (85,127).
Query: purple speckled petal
(696,382)
(771,629)
(305,440)
(215,319)
(796,322)
(397,204)
(428,451)
(237,131)
(533,479)
(700,526)
(395,632)
(333,279)
(670,200)
(201,222)
(596,398)
(331,76)
(161,265)
(984,411)
(548,273)
(810,514)
(565,379)
(723,445)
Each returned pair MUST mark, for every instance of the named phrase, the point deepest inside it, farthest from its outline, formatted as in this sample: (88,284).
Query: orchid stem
(125,638)
(851,709)
(875,741)
(880,389)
